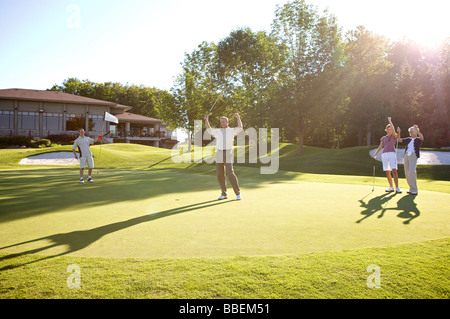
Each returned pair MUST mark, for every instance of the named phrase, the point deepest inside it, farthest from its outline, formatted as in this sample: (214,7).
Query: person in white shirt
(224,153)
(412,153)
(83,142)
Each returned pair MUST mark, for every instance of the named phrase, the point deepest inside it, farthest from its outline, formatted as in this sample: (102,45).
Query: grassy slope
(351,165)
(406,270)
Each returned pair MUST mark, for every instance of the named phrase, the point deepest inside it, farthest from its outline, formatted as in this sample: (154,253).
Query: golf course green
(143,209)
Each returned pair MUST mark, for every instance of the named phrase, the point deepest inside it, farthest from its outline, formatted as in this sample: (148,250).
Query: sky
(143,42)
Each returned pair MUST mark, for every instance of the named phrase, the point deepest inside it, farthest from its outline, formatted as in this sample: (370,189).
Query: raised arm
(393,127)
(208,127)
(418,132)
(398,135)
(239,121)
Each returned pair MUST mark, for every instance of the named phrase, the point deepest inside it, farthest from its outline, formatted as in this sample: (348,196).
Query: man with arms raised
(224,153)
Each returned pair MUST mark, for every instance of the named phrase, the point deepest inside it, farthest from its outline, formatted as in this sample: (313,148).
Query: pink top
(389,143)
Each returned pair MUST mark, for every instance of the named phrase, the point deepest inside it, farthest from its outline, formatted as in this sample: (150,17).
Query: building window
(28,120)
(52,121)
(75,122)
(95,122)
(6,119)
(113,129)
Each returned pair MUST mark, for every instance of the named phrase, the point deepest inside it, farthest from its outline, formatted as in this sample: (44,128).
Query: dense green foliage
(318,86)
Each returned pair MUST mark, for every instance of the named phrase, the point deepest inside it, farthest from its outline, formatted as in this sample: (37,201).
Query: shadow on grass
(78,240)
(406,207)
(31,192)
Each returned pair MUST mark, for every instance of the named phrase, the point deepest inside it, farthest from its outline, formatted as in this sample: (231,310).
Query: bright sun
(426,22)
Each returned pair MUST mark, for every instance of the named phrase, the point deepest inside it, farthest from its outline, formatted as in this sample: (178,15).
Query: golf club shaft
(373,176)
(215,102)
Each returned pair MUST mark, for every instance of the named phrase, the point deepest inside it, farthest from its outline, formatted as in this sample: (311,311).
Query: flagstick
(111,118)
(101,143)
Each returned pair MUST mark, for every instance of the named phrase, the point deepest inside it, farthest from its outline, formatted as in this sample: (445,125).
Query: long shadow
(374,205)
(35,192)
(408,209)
(405,205)
(78,240)
(161,161)
(31,192)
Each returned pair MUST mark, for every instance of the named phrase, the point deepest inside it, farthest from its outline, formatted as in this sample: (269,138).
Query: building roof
(54,96)
(122,108)
(135,118)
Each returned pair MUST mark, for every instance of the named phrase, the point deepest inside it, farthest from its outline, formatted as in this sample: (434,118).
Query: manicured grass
(151,228)
(354,161)
(174,213)
(105,156)
(409,271)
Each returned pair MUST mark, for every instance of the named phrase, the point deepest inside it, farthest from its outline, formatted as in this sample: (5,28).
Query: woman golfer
(389,156)
(412,153)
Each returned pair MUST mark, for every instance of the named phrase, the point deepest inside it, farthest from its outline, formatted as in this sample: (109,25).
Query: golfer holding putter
(224,153)
(389,156)
(83,142)
(412,153)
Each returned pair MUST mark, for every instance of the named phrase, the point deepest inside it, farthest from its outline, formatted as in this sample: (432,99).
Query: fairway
(175,213)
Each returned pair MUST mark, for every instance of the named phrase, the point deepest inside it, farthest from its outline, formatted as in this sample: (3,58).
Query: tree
(251,65)
(197,87)
(406,72)
(439,70)
(370,81)
(145,101)
(311,41)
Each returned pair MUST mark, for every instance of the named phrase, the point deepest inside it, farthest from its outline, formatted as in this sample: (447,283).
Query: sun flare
(425,22)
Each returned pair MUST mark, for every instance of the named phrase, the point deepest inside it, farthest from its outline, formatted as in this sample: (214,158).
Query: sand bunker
(54,158)
(67,158)
(426,157)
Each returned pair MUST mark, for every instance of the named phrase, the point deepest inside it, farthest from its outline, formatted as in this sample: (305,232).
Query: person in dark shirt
(412,153)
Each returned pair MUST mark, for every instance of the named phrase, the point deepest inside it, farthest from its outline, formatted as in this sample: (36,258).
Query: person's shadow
(374,205)
(408,208)
(406,205)
(78,240)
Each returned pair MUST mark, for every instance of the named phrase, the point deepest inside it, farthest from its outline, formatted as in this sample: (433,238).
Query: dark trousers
(224,163)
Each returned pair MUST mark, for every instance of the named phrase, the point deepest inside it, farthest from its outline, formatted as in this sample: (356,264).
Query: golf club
(396,149)
(373,177)
(215,102)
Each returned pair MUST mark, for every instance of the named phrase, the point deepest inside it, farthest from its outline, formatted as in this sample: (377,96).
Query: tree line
(320,87)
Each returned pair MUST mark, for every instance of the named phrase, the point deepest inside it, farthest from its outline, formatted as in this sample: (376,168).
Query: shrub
(45,142)
(14,140)
(63,139)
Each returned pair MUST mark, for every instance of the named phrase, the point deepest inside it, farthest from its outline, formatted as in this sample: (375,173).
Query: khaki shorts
(88,159)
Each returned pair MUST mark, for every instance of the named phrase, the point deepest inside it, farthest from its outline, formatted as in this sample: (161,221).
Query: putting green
(173,213)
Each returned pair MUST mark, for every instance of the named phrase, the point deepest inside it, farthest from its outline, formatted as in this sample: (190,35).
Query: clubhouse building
(38,114)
